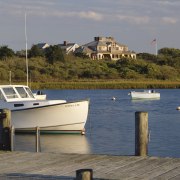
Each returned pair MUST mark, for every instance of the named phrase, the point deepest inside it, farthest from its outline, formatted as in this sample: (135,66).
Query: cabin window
(10,93)
(22,92)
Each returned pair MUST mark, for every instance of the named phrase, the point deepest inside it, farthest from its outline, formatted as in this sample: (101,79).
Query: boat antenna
(26,53)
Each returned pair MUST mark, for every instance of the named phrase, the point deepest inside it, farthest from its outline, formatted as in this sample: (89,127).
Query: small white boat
(146,94)
(27,112)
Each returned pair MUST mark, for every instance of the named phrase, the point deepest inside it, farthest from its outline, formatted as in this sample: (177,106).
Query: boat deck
(29,165)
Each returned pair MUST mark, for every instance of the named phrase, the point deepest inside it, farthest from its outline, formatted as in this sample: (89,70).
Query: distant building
(106,48)
(42,45)
(68,47)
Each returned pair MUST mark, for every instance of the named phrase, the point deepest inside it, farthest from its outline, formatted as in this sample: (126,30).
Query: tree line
(53,65)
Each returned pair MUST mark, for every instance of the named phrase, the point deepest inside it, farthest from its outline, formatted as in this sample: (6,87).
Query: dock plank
(29,165)
(172,174)
(163,168)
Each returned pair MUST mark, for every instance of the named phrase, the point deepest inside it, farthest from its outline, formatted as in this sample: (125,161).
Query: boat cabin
(12,93)
(150,91)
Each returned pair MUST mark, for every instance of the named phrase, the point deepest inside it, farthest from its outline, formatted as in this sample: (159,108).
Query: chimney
(96,38)
(65,43)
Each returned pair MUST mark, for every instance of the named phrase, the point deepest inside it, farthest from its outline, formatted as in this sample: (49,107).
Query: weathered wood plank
(43,164)
(164,167)
(176,177)
(26,165)
(174,173)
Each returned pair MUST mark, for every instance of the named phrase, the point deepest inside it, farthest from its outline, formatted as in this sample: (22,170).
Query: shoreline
(103,84)
(107,85)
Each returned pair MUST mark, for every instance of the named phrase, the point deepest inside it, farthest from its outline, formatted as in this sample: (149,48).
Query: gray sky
(134,23)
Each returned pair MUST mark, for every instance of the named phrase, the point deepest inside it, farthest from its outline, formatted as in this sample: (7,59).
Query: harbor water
(110,128)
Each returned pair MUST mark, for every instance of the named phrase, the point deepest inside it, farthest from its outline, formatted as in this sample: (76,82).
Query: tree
(53,54)
(35,51)
(81,55)
(21,53)
(147,57)
(169,52)
(3,74)
(20,75)
(168,73)
(6,52)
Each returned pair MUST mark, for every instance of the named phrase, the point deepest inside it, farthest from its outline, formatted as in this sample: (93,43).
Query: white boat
(53,116)
(146,94)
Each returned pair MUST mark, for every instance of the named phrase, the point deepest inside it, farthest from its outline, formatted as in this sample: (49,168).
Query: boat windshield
(22,92)
(1,96)
(29,92)
(10,93)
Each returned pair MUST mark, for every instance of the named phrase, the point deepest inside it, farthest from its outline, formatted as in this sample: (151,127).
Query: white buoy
(113,98)
(178,108)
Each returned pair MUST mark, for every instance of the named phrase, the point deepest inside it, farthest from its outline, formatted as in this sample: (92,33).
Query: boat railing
(12,96)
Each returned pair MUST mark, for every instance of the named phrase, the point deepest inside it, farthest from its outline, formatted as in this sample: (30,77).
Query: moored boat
(146,94)
(27,112)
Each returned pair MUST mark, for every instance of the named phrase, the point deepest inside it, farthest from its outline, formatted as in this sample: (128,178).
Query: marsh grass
(114,84)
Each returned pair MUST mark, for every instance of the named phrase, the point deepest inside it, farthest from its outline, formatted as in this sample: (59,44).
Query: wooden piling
(141,133)
(5,130)
(84,174)
(12,138)
(37,139)
(5,117)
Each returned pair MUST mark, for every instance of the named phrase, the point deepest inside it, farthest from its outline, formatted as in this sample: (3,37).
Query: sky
(135,23)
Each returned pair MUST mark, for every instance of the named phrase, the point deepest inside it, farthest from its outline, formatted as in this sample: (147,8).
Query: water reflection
(145,100)
(53,143)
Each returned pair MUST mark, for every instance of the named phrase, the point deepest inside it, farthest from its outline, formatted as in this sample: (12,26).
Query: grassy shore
(114,84)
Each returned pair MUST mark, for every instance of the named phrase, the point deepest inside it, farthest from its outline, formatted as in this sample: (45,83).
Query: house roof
(102,43)
(67,45)
(83,49)
(41,45)
(93,43)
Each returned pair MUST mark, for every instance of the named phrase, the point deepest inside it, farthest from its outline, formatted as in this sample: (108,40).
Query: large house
(106,48)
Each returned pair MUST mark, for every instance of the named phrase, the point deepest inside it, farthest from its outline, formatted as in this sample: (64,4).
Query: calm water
(110,127)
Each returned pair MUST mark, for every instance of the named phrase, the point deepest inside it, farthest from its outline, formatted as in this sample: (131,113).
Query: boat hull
(142,95)
(64,117)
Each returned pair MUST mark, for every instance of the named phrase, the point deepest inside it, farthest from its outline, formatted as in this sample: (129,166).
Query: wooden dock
(50,166)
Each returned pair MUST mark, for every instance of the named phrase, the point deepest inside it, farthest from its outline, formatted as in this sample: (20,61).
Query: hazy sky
(134,23)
